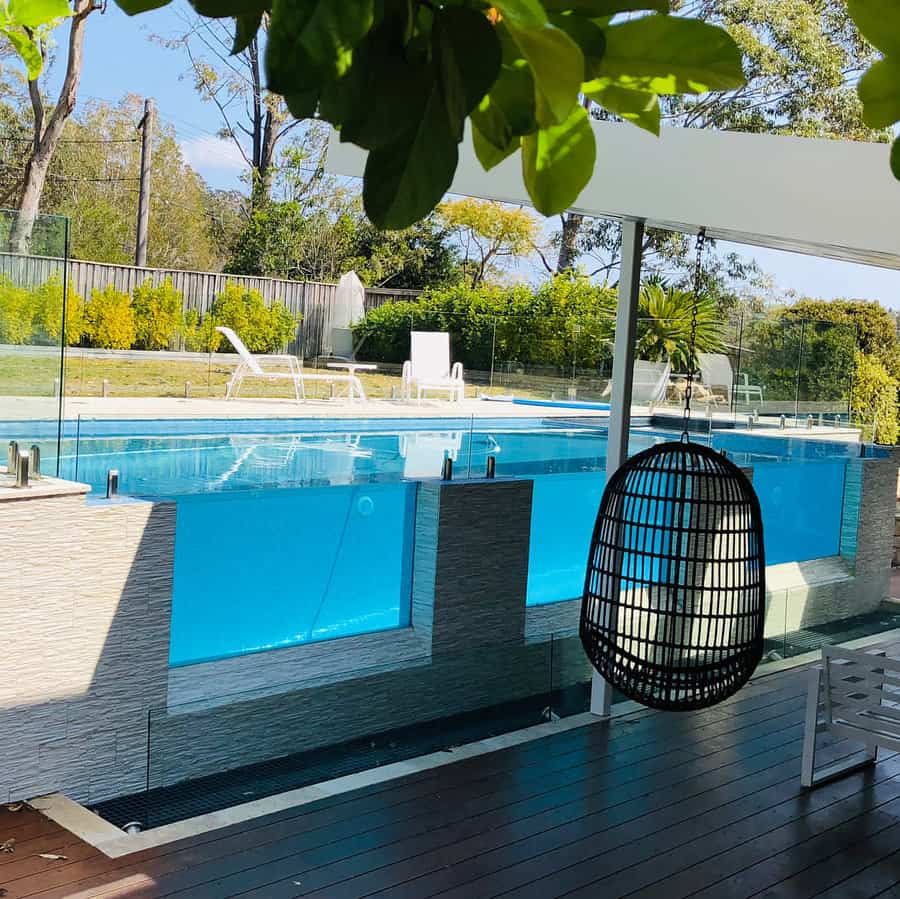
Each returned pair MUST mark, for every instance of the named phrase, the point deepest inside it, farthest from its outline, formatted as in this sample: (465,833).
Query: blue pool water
(290,531)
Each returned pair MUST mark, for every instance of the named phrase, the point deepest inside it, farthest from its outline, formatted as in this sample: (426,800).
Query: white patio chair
(649,382)
(429,366)
(251,366)
(716,373)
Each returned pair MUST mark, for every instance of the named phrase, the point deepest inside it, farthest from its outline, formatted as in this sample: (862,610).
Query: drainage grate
(219,791)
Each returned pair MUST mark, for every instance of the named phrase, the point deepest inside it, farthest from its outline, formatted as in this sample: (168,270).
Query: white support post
(620,400)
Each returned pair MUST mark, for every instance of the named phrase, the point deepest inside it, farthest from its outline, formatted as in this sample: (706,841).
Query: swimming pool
(280,521)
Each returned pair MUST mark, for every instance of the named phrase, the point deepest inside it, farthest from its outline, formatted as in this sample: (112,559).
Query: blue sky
(121,57)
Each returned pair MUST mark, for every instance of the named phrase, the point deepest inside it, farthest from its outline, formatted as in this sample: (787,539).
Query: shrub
(157,315)
(16,313)
(109,319)
(875,400)
(48,311)
(262,329)
(566,321)
(199,336)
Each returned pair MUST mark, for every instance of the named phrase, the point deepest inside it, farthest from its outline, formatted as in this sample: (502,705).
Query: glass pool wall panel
(801,506)
(563,511)
(265,569)
(34,317)
(801,502)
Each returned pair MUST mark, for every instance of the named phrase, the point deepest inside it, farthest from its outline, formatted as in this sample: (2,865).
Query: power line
(76,140)
(7,165)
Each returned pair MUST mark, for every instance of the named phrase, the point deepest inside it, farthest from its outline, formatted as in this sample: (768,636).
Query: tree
(801,61)
(664,326)
(227,71)
(288,240)
(401,78)
(875,400)
(47,131)
(873,327)
(93,179)
(488,232)
(879,87)
(415,258)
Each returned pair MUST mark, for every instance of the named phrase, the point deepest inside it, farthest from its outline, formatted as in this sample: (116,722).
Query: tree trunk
(265,165)
(47,139)
(568,246)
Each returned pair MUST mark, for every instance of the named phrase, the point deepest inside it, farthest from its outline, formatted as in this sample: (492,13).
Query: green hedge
(563,323)
(150,319)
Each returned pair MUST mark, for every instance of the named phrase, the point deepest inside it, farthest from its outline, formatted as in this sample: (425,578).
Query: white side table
(352,368)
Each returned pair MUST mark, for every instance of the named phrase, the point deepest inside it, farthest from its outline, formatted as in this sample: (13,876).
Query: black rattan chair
(674,598)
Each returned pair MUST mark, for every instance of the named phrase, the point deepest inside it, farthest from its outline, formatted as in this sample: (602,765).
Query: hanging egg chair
(674,598)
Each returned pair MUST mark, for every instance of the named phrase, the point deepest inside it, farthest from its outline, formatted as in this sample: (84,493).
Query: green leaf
(638,107)
(669,55)
(378,118)
(879,23)
(133,7)
(555,59)
(28,50)
(467,54)
(303,104)
(245,29)
(587,34)
(879,91)
(312,40)
(226,9)
(34,13)
(487,153)
(895,159)
(557,162)
(597,9)
(404,181)
(508,110)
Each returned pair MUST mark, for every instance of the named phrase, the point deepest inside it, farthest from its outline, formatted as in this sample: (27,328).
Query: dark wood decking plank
(610,828)
(656,819)
(876,880)
(731,850)
(587,866)
(790,876)
(438,869)
(465,822)
(753,705)
(875,835)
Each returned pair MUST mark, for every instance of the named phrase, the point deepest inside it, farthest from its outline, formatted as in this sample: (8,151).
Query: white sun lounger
(649,382)
(716,373)
(251,366)
(429,366)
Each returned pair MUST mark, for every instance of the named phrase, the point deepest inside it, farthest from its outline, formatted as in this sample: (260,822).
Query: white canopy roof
(822,197)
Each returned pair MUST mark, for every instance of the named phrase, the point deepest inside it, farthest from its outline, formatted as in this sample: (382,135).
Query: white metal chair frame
(854,695)
(250,367)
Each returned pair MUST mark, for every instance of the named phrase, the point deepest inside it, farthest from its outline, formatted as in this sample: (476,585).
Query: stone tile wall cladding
(85,603)
(86,607)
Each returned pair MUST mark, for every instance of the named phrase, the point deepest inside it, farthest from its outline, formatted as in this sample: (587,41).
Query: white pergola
(835,199)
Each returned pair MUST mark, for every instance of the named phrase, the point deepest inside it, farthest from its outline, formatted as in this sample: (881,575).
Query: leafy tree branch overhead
(401,78)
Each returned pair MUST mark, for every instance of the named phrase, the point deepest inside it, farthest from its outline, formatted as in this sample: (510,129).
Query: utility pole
(145,126)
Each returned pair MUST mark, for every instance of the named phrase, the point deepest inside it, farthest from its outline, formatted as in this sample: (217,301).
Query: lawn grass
(22,375)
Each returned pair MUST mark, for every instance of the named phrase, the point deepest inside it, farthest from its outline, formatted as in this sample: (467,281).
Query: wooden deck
(702,804)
